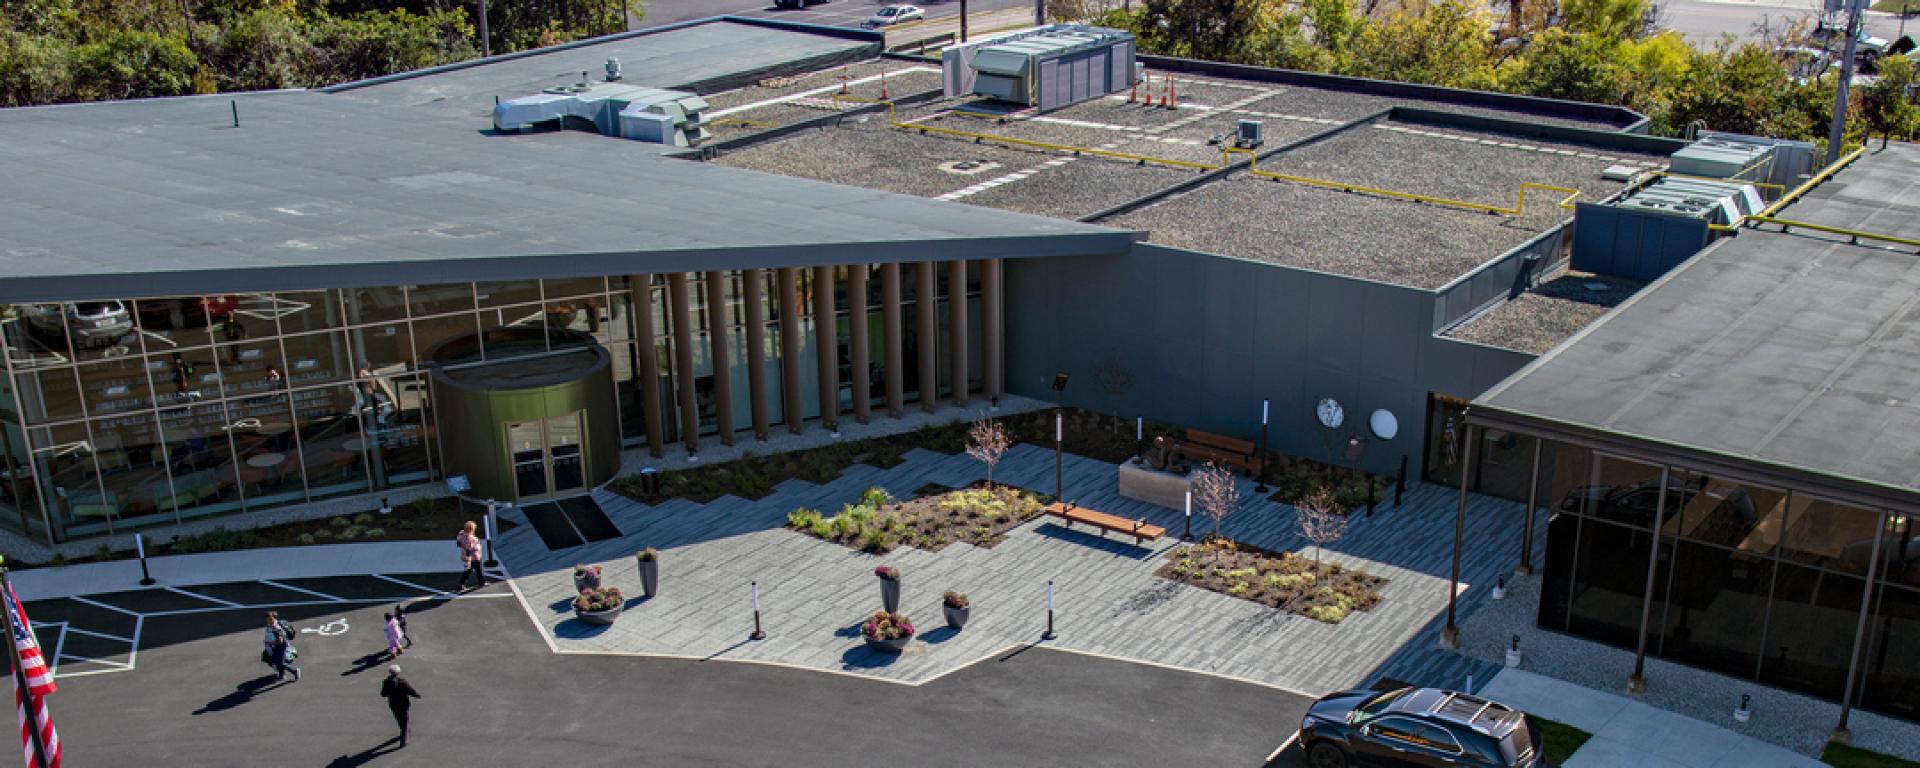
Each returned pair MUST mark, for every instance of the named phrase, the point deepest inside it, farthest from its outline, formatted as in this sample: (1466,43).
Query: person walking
(400,616)
(399,695)
(393,637)
(279,651)
(470,558)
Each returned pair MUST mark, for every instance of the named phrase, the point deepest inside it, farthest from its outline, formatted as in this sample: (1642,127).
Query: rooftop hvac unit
(1252,133)
(627,111)
(1046,67)
(1657,227)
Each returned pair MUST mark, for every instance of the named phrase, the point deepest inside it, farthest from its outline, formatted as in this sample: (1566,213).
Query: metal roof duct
(627,111)
(1659,226)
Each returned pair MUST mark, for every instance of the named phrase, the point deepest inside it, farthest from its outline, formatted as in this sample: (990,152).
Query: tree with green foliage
(1886,106)
(134,64)
(1444,46)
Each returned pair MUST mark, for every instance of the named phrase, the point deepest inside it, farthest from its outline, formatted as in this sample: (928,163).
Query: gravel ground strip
(1080,187)
(899,82)
(872,155)
(1426,165)
(1552,312)
(1392,241)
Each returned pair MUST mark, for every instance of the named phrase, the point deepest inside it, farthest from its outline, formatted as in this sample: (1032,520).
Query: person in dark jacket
(399,695)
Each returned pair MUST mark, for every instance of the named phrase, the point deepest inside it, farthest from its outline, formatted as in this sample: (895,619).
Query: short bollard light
(1513,652)
(757,633)
(140,546)
(1186,534)
(492,506)
(1049,634)
(385,508)
(1743,712)
(1500,588)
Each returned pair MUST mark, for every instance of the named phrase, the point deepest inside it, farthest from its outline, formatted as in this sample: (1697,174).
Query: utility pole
(963,21)
(486,41)
(1838,130)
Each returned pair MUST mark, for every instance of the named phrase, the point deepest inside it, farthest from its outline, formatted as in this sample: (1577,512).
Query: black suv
(1416,727)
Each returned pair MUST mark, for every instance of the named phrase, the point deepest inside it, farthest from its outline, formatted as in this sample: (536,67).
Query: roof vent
(613,70)
(628,111)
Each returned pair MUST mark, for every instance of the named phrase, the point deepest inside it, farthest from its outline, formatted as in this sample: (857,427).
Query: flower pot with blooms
(957,607)
(887,631)
(889,587)
(585,577)
(649,560)
(598,605)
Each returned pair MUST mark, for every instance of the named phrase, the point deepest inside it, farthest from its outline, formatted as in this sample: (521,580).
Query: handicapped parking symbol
(329,629)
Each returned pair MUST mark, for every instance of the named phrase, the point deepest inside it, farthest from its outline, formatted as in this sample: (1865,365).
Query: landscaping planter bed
(936,517)
(1281,580)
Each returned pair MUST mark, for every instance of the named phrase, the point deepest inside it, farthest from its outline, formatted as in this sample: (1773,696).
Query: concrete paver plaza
(814,593)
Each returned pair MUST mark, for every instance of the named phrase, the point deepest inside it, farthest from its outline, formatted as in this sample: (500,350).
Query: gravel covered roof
(1552,312)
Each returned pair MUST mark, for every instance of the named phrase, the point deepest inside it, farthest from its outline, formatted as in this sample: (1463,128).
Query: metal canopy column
(926,305)
(992,306)
(722,350)
(826,345)
(789,285)
(1525,568)
(957,328)
(1638,681)
(755,297)
(890,322)
(643,327)
(683,360)
(857,338)
(1450,635)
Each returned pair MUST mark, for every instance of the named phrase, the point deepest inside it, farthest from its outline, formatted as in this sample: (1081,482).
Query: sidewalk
(1629,734)
(243,565)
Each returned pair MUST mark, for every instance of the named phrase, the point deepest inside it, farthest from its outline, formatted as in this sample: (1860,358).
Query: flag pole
(28,703)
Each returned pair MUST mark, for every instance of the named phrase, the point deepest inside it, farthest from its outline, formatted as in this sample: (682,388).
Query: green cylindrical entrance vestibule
(527,428)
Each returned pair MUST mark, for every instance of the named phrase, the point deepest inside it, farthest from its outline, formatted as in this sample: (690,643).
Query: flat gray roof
(1788,358)
(165,197)
(704,56)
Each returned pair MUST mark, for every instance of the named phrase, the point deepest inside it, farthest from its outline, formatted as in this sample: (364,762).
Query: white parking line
(98,604)
(91,633)
(404,583)
(292,588)
(811,93)
(208,598)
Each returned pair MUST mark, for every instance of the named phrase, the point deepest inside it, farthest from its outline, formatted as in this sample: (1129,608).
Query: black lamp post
(1260,482)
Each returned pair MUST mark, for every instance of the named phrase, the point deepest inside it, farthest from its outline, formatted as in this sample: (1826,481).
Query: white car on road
(895,14)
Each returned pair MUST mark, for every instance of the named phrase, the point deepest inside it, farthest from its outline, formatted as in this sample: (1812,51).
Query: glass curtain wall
(1757,582)
(119,413)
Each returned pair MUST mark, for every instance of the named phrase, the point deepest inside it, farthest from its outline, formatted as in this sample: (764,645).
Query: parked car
(1634,504)
(1416,727)
(92,323)
(894,14)
(1867,49)
(185,313)
(795,3)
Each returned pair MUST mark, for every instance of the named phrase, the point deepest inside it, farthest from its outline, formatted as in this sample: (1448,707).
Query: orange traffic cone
(883,83)
(843,80)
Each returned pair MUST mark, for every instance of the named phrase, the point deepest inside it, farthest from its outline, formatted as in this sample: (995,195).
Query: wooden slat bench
(1141,530)
(1222,449)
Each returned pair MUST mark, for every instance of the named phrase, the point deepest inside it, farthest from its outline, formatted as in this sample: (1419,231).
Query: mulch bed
(1279,580)
(934,518)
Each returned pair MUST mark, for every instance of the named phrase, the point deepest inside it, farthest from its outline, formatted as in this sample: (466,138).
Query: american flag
(39,683)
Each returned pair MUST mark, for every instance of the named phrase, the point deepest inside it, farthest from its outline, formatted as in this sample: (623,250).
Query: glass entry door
(546,457)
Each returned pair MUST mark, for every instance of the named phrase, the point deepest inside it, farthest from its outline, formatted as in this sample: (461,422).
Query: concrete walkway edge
(244,565)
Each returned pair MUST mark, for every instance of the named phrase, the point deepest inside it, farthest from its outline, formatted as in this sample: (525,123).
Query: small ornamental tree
(1214,488)
(1320,521)
(988,441)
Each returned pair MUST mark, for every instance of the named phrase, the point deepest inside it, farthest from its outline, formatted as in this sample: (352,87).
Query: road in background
(1703,22)
(842,13)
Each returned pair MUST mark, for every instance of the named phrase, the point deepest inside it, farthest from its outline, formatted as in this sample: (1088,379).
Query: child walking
(394,637)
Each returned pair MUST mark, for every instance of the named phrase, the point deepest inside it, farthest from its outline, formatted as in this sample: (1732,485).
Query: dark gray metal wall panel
(1204,338)
(1120,68)
(1633,244)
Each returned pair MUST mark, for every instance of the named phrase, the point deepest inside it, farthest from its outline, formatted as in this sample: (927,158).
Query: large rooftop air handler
(1657,227)
(1753,159)
(614,109)
(1046,67)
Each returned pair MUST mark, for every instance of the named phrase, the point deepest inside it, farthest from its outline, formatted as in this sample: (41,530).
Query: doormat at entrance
(552,525)
(589,519)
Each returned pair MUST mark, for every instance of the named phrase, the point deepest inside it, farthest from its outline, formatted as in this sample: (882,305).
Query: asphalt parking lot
(195,692)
